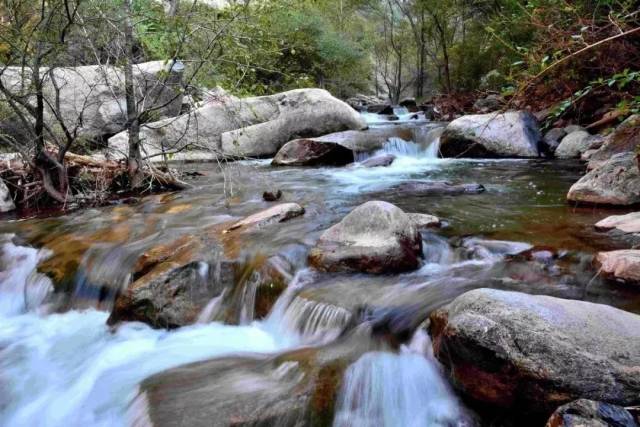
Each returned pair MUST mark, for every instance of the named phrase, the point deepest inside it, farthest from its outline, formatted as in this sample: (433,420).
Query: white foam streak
(388,390)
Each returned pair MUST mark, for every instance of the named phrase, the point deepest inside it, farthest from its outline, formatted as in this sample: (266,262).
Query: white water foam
(21,287)
(390,390)
(67,370)
(411,159)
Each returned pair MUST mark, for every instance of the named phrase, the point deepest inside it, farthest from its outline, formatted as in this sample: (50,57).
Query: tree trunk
(44,163)
(134,164)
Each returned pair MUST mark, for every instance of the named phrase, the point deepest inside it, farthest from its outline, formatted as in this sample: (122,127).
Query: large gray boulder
(511,134)
(576,143)
(615,182)
(251,127)
(91,98)
(534,353)
(376,237)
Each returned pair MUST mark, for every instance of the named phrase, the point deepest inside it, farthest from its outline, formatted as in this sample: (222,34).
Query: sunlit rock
(623,265)
(91,98)
(252,127)
(629,223)
(376,237)
(278,213)
(511,134)
(615,182)
(534,353)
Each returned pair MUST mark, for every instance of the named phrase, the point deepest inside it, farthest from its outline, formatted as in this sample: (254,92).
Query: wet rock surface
(615,182)
(625,138)
(589,413)
(376,237)
(310,152)
(533,353)
(174,298)
(279,213)
(378,161)
(295,388)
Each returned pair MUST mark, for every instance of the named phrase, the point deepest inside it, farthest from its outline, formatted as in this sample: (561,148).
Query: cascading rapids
(384,389)
(70,369)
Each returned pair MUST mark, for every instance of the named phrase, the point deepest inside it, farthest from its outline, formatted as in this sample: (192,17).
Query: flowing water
(61,365)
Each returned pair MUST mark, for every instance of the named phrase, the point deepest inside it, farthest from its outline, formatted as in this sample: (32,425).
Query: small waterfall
(387,390)
(437,250)
(315,322)
(22,288)
(400,147)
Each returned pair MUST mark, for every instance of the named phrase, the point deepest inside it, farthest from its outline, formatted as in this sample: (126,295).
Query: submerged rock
(309,152)
(623,265)
(438,188)
(615,182)
(278,213)
(6,202)
(589,413)
(511,134)
(533,353)
(376,237)
(576,143)
(378,161)
(295,388)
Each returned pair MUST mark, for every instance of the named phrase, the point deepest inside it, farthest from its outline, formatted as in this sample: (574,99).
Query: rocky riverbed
(390,288)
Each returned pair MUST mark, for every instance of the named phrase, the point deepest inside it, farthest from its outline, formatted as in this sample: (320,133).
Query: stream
(61,365)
